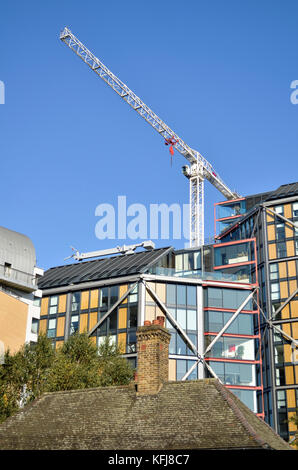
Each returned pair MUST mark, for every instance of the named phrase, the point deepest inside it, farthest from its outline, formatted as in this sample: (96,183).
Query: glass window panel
(246,396)
(194,340)
(54,300)
(191,319)
(181,318)
(171,294)
(34,325)
(181,368)
(191,295)
(181,346)
(172,346)
(131,342)
(181,294)
(113,320)
(194,374)
(179,262)
(230,299)
(114,295)
(214,297)
(53,310)
(104,298)
(74,324)
(133,316)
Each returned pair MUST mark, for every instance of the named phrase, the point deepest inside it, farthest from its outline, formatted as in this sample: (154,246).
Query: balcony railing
(16,278)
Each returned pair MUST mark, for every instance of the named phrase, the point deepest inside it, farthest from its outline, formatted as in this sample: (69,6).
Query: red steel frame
(255,312)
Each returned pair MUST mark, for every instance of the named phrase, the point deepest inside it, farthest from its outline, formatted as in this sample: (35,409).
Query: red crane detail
(171,142)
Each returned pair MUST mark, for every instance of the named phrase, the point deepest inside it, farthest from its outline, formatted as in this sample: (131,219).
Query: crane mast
(199,168)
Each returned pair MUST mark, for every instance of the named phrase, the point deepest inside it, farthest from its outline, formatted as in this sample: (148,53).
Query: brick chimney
(153,357)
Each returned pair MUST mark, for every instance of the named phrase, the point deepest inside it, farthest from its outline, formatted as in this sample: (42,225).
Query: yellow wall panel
(150,312)
(94,298)
(148,296)
(292,286)
(292,426)
(85,300)
(292,268)
(282,267)
(286,327)
(92,320)
(270,217)
(288,211)
(284,291)
(289,230)
(42,326)
(271,232)
(59,344)
(83,322)
(122,290)
(44,306)
(289,372)
(172,369)
(62,303)
(295,330)
(296,374)
(60,326)
(161,291)
(272,251)
(285,313)
(122,342)
(291,399)
(288,353)
(122,318)
(93,339)
(290,248)
(294,308)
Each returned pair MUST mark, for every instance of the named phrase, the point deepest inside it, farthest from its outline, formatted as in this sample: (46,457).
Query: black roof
(285,190)
(103,268)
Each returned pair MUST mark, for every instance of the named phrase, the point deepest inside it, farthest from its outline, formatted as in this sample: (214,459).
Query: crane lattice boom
(200,168)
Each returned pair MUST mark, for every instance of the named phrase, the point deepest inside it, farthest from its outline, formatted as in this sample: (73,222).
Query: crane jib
(200,167)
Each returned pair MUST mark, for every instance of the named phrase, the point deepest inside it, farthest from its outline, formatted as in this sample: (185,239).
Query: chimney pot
(161,320)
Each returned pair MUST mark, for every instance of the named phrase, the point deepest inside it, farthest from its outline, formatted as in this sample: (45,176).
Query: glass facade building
(270,219)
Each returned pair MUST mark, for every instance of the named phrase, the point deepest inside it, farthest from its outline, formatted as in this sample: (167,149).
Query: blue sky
(218,73)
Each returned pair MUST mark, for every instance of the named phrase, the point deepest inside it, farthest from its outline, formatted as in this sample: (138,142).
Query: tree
(114,369)
(76,365)
(23,376)
(38,368)
(294,420)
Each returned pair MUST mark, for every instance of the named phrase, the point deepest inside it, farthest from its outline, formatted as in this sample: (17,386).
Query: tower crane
(198,169)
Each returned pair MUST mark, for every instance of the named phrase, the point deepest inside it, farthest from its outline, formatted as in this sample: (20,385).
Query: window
(279,210)
(275,293)
(295,209)
(273,271)
(34,325)
(36,301)
(53,304)
(281,249)
(52,328)
(74,324)
(280,231)
(7,269)
(75,301)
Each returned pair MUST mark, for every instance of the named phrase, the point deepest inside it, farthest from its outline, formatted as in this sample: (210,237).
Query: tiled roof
(104,268)
(199,414)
